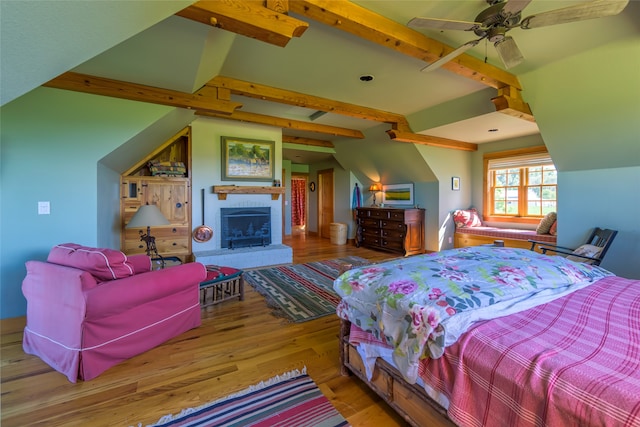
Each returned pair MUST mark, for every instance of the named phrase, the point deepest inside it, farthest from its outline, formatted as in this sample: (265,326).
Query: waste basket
(338,232)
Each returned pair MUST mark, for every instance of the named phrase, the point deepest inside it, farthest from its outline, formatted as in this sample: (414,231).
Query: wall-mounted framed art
(247,159)
(455,183)
(397,194)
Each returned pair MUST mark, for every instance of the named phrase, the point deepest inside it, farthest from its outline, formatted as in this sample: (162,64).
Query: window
(521,185)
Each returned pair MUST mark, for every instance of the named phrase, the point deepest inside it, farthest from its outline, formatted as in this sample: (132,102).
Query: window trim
(540,149)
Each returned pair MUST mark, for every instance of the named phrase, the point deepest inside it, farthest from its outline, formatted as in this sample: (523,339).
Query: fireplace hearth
(245,227)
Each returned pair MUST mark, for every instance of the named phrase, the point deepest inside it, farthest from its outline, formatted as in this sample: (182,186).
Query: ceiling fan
(501,16)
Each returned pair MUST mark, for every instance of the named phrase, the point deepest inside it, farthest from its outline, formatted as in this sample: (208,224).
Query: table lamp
(149,216)
(374,188)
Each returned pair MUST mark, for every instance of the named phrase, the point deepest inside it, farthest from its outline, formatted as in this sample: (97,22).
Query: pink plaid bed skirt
(571,362)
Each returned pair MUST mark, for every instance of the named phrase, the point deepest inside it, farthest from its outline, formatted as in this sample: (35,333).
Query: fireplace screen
(243,227)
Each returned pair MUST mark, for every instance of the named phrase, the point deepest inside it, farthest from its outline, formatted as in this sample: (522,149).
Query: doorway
(299,203)
(325,202)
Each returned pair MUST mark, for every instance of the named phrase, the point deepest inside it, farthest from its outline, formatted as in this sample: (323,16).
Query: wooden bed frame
(409,400)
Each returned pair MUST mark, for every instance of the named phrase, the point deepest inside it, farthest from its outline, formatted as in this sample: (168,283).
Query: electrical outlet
(450,240)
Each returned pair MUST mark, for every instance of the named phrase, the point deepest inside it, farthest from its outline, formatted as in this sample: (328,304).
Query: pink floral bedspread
(420,305)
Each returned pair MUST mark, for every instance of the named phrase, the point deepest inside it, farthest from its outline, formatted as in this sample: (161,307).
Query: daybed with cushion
(494,336)
(470,231)
(89,309)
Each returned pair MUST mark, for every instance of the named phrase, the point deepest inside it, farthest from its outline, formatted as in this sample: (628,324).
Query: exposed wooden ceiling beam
(283,96)
(435,141)
(286,123)
(249,18)
(355,19)
(280,6)
(135,92)
(361,22)
(509,101)
(214,102)
(398,122)
(307,141)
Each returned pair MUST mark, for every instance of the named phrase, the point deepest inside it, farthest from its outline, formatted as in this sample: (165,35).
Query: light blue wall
(606,206)
(52,141)
(590,120)
(442,199)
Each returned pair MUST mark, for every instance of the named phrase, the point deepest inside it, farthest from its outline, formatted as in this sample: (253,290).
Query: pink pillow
(554,228)
(104,264)
(467,218)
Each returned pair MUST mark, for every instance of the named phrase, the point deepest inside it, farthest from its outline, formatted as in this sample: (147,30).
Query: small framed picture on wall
(455,183)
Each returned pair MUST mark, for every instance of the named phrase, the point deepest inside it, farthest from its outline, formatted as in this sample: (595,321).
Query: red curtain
(298,200)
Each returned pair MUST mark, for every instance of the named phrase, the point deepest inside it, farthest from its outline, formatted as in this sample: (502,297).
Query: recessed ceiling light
(366,78)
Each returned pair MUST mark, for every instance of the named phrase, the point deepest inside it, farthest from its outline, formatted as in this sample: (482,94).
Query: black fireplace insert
(245,227)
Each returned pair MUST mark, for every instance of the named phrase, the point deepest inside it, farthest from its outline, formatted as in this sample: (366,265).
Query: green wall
(52,141)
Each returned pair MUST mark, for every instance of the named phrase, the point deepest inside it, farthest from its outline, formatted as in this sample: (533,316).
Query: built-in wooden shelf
(223,190)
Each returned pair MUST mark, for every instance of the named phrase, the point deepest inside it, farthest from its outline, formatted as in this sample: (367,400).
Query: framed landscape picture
(247,159)
(397,194)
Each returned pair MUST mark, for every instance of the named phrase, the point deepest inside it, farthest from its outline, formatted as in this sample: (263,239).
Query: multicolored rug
(301,292)
(288,400)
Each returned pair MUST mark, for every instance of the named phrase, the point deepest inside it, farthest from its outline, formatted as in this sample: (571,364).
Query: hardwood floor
(238,344)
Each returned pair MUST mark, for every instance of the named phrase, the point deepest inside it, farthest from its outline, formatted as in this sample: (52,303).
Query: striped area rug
(301,292)
(288,400)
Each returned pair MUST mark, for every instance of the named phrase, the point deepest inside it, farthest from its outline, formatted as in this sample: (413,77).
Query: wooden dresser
(391,229)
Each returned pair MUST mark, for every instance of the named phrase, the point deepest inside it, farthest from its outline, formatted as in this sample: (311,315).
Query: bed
(494,336)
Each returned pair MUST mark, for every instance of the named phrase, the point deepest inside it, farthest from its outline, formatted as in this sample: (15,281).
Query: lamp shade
(375,187)
(147,216)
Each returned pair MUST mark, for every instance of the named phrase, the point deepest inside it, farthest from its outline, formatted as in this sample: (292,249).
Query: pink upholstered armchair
(89,309)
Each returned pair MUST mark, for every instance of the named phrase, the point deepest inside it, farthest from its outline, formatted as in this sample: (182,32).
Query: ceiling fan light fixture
(509,52)
(496,34)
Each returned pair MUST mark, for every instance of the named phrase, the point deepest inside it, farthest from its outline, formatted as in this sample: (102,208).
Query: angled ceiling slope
(41,40)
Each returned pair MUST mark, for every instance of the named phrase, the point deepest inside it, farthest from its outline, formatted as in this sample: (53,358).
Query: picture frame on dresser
(247,159)
(397,194)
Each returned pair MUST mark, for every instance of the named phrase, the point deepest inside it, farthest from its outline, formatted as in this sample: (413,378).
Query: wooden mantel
(223,190)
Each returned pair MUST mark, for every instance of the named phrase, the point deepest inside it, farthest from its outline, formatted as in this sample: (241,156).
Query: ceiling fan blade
(509,52)
(442,24)
(580,12)
(512,7)
(459,51)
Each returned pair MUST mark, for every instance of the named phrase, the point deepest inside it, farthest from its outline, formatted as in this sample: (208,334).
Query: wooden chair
(601,238)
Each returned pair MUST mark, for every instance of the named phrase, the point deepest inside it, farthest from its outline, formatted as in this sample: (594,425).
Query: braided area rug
(301,292)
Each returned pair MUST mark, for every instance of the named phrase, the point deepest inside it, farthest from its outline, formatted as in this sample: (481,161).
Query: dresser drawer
(371,240)
(368,222)
(392,225)
(392,245)
(396,215)
(393,234)
(378,213)
(371,231)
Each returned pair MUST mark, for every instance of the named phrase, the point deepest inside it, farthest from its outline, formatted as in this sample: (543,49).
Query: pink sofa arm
(56,300)
(141,263)
(116,296)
